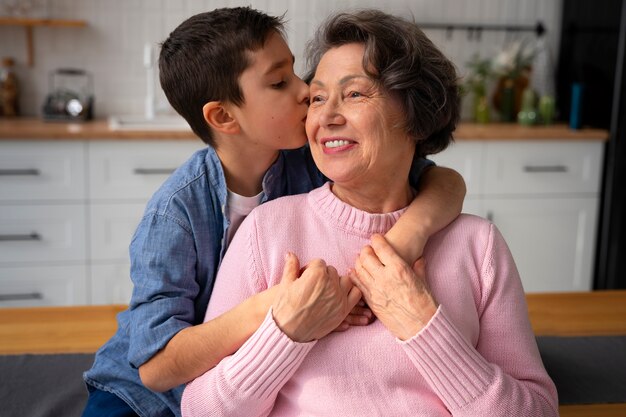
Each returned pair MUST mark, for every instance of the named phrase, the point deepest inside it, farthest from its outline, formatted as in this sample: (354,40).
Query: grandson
(229,72)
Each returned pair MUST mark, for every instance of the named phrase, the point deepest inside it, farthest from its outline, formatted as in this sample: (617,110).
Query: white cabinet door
(42,233)
(552,240)
(111,284)
(134,170)
(48,170)
(519,167)
(43,286)
(112,227)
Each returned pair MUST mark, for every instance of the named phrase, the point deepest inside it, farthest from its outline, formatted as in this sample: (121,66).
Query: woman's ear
(219,118)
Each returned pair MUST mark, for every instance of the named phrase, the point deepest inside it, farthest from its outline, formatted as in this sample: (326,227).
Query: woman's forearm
(439,201)
(195,350)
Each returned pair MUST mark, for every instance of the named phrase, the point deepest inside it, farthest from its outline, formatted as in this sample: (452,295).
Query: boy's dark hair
(404,62)
(202,59)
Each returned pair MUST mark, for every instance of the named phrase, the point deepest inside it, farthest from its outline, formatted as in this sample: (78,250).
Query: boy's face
(275,99)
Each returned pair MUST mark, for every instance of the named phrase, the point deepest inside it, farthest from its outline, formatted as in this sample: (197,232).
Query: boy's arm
(439,201)
(196,349)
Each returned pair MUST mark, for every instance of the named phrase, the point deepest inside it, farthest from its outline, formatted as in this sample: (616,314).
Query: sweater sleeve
(503,374)
(247,382)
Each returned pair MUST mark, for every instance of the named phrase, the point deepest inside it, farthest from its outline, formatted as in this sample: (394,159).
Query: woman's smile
(336,145)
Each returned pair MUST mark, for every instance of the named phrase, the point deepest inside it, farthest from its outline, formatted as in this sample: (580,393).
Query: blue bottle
(576,109)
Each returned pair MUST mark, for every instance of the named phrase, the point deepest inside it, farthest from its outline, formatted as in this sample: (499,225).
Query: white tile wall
(111,47)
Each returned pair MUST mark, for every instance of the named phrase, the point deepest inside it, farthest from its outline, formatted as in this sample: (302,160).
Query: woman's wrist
(421,316)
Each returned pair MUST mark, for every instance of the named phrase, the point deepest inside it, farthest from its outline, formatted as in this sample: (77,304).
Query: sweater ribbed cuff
(452,367)
(266,361)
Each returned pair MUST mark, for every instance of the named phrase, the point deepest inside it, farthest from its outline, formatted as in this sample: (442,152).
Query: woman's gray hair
(405,63)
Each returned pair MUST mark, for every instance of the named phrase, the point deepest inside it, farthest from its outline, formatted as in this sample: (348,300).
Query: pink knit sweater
(476,357)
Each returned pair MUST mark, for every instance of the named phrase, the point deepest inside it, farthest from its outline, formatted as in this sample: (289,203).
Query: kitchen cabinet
(40,171)
(68,210)
(71,196)
(543,196)
(43,241)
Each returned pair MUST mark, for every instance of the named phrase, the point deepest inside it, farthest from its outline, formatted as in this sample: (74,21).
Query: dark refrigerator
(592,53)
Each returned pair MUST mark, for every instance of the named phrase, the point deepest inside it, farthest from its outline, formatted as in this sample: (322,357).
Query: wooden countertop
(36,129)
(514,131)
(42,330)
(86,328)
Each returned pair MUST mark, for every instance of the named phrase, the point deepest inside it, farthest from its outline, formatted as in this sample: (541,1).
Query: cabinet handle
(26,171)
(23,296)
(545,168)
(13,238)
(490,216)
(154,171)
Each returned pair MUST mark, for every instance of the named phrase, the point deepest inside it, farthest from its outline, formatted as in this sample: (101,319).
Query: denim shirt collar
(272,184)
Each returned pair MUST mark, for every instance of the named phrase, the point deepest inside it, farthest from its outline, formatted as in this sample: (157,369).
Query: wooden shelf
(29,23)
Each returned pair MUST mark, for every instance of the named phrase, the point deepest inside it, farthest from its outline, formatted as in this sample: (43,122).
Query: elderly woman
(452,335)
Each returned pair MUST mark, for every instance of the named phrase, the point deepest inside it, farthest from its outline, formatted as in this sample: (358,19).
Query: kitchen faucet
(149,65)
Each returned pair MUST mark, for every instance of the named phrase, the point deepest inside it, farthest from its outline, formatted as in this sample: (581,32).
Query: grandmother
(452,335)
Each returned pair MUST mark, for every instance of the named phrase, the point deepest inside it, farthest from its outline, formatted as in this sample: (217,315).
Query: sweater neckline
(348,218)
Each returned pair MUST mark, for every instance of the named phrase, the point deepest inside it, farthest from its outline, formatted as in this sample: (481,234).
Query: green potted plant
(475,83)
(512,67)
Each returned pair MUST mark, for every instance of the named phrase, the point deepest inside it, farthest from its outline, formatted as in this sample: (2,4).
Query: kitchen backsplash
(111,47)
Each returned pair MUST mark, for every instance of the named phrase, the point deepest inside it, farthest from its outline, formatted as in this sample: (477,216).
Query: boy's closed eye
(279,84)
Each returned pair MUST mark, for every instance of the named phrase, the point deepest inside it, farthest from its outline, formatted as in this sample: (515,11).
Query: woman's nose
(331,114)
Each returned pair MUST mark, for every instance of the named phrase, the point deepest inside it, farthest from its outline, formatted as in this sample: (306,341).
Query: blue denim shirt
(174,255)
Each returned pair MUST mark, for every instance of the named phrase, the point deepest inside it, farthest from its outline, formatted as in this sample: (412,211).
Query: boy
(229,72)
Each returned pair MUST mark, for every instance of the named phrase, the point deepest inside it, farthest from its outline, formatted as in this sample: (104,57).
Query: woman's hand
(314,304)
(397,294)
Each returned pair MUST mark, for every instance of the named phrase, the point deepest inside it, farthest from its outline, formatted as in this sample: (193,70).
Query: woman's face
(355,130)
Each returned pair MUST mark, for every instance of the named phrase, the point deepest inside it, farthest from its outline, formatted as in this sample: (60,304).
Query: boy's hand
(361,315)
(316,303)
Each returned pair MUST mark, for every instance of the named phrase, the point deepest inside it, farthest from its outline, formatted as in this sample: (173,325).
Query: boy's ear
(219,118)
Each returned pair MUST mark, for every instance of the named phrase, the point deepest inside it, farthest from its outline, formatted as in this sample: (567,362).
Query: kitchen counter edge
(36,129)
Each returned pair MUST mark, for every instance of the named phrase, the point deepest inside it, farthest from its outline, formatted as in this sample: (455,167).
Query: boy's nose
(303,92)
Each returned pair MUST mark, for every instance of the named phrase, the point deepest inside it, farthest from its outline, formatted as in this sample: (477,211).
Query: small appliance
(70,97)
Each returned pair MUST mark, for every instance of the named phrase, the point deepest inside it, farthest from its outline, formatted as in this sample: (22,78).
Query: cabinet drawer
(42,233)
(134,170)
(467,159)
(111,284)
(43,286)
(42,171)
(543,168)
(112,228)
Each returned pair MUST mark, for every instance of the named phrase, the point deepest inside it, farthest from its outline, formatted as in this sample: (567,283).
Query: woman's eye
(354,94)
(316,99)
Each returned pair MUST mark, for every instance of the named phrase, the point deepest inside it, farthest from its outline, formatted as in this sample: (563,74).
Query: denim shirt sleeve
(417,169)
(163,270)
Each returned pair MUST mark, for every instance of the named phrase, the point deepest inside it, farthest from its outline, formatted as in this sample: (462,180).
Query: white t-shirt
(237,208)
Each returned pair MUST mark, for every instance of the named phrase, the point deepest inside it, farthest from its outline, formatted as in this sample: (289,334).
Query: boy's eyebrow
(280,64)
